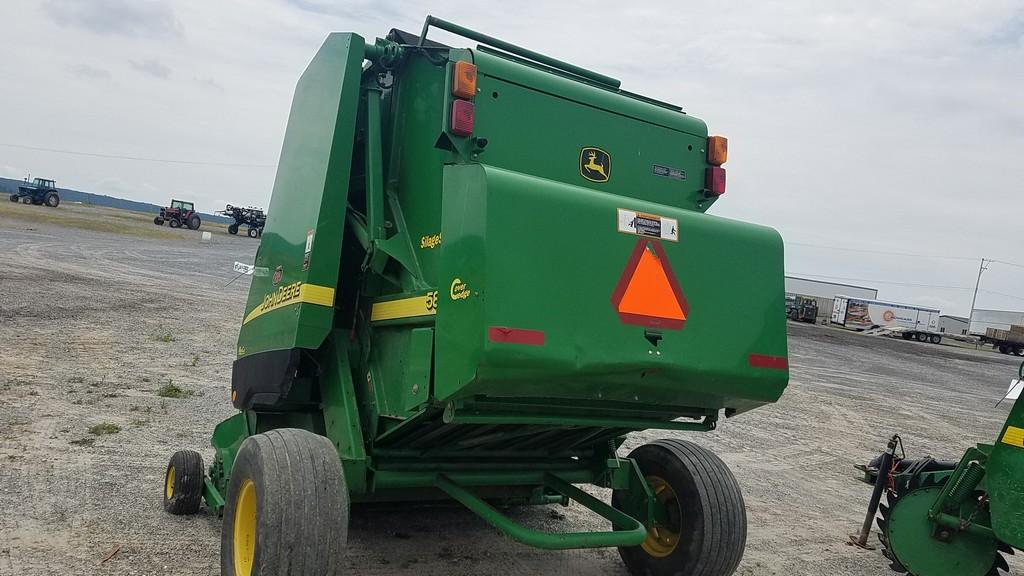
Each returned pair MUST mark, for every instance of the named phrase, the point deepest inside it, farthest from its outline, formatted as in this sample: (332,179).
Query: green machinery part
(477,295)
(944,520)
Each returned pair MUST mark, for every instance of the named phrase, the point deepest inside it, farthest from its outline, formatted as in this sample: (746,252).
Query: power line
(139,158)
(886,252)
(1000,294)
(881,281)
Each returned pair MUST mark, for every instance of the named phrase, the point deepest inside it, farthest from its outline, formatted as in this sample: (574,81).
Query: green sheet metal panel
(291,298)
(544,257)
(1005,479)
(539,123)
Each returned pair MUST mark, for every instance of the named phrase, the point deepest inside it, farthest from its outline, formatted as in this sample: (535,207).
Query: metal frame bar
(517,50)
(628,530)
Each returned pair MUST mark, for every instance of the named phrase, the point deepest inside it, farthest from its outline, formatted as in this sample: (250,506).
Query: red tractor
(179,214)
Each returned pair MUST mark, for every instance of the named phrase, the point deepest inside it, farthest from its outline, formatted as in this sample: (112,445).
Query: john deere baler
(482,268)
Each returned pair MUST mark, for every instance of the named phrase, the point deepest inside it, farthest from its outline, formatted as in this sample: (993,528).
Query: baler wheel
(286,510)
(232,229)
(704,526)
(183,482)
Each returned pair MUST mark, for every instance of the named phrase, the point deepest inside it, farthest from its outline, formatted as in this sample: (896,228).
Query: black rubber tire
(14,197)
(158,221)
(26,199)
(921,337)
(232,229)
(1004,349)
(907,335)
(253,233)
(52,199)
(934,338)
(174,223)
(186,489)
(302,504)
(194,222)
(711,542)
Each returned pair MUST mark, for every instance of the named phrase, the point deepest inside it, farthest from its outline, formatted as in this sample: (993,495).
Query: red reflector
(463,114)
(515,336)
(714,181)
(764,361)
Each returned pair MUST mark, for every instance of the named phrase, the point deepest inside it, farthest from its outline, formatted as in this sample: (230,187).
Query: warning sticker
(649,225)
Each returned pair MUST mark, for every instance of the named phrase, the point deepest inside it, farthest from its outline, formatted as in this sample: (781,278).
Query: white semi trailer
(912,322)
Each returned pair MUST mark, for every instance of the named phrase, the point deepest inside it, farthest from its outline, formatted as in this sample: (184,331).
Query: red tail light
(463,114)
(714,181)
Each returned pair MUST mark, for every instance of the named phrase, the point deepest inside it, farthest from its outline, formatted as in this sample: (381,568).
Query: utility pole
(974,300)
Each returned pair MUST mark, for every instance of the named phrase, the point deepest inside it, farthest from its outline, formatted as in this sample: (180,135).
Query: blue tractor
(40,191)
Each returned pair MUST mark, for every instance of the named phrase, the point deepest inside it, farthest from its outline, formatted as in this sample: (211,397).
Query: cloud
(89,72)
(116,17)
(209,82)
(153,67)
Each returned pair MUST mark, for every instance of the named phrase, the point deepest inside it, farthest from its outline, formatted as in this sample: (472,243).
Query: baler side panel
(293,288)
(1005,479)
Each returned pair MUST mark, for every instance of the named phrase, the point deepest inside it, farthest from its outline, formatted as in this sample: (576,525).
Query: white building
(999,319)
(953,325)
(824,292)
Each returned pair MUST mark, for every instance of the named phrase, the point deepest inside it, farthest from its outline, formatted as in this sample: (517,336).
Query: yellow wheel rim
(661,538)
(169,483)
(245,529)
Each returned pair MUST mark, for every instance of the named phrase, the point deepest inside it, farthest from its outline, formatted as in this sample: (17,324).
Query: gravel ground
(96,323)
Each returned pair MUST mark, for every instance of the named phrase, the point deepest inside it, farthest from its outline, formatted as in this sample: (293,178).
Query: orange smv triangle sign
(648,293)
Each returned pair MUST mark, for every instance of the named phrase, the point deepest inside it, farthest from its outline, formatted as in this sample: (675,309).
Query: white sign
(649,225)
(243,268)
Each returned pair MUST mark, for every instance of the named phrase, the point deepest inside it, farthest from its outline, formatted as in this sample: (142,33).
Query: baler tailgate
(678,311)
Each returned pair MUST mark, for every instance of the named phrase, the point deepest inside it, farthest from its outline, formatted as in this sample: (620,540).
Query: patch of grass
(104,428)
(195,360)
(139,422)
(83,442)
(172,390)
(164,337)
(163,406)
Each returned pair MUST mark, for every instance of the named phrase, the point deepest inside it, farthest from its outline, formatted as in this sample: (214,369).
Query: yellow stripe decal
(292,294)
(1014,436)
(425,305)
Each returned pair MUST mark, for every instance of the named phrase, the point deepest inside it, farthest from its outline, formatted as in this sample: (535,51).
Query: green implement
(951,518)
(481,268)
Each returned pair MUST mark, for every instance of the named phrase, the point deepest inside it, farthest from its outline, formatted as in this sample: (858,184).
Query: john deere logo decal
(278,274)
(595,164)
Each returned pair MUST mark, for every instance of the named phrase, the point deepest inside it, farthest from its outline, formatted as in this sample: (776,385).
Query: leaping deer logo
(595,164)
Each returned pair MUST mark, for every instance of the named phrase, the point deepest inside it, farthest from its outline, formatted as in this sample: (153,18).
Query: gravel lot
(95,323)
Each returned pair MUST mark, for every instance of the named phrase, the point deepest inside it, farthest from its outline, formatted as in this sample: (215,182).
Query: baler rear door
(291,299)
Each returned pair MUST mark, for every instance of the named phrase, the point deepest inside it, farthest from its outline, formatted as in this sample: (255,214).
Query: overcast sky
(876,126)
